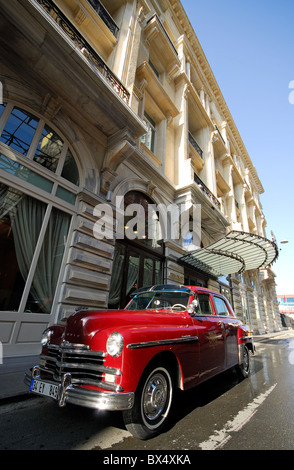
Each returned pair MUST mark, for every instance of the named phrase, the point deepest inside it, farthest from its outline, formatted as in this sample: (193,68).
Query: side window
(149,138)
(221,306)
(204,304)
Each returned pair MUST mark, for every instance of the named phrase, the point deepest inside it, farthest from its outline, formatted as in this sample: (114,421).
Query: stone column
(183,169)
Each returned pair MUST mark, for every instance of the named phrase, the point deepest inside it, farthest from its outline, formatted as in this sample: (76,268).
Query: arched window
(152,233)
(137,262)
(33,138)
(39,181)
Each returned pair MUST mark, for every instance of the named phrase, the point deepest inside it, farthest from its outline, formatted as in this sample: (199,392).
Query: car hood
(83,325)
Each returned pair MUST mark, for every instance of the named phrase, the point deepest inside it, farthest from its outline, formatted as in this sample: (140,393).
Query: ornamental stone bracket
(120,147)
(106,178)
(50,107)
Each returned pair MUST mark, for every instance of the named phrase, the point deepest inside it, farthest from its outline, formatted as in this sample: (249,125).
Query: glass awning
(234,253)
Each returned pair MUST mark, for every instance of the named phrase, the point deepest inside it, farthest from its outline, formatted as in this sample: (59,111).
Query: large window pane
(158,272)
(148,272)
(149,138)
(115,290)
(133,274)
(21,218)
(49,149)
(11,166)
(19,130)
(66,195)
(70,170)
(49,263)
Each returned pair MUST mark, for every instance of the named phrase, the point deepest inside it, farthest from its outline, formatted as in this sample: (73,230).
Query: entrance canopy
(234,253)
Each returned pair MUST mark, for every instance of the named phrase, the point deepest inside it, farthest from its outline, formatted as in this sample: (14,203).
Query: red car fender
(136,361)
(175,348)
(245,338)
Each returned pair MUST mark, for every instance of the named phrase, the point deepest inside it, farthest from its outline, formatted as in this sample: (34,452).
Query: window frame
(210,303)
(27,161)
(228,314)
(51,199)
(152,127)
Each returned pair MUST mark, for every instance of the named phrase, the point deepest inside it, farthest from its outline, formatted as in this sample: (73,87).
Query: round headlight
(114,344)
(45,338)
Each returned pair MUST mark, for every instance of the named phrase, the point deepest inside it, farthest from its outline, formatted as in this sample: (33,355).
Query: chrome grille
(84,365)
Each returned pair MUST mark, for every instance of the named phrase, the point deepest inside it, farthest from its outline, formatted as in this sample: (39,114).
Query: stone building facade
(107,101)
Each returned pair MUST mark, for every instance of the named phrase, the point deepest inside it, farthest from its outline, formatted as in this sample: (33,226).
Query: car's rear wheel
(152,403)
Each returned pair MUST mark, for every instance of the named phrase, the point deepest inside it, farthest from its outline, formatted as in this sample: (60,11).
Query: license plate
(44,388)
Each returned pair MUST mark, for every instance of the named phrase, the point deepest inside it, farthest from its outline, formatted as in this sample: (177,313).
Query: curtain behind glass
(26,225)
(21,218)
(25,215)
(49,263)
(117,276)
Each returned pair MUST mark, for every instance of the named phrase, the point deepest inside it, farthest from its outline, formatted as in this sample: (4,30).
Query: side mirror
(192,307)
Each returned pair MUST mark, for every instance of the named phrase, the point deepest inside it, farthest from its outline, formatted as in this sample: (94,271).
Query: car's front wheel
(152,403)
(244,366)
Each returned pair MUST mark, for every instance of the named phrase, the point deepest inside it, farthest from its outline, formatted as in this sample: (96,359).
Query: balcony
(163,53)
(83,45)
(105,16)
(155,19)
(206,191)
(219,142)
(157,97)
(222,186)
(195,145)
(195,153)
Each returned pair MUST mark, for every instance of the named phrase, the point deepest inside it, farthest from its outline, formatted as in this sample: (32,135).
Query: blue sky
(250,48)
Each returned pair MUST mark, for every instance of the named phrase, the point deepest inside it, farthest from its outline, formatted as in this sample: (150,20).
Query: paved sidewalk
(276,334)
(13,369)
(12,373)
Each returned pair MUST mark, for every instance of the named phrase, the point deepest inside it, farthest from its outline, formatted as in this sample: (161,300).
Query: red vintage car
(132,360)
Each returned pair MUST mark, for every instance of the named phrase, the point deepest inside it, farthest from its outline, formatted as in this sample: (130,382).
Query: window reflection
(33,234)
(19,130)
(49,149)
(19,134)
(149,138)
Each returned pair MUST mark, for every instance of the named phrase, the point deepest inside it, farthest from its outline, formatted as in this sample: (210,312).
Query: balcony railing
(87,50)
(195,145)
(219,133)
(105,16)
(206,191)
(164,31)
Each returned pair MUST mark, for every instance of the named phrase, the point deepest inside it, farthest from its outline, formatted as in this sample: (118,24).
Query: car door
(230,326)
(211,337)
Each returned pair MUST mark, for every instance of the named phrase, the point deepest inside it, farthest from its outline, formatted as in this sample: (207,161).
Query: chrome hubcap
(245,359)
(155,396)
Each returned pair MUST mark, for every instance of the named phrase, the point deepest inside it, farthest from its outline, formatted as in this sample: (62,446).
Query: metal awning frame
(235,253)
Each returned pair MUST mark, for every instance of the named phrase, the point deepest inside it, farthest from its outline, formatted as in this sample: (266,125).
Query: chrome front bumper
(71,393)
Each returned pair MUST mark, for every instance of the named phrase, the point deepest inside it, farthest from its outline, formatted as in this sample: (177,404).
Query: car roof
(171,288)
(164,287)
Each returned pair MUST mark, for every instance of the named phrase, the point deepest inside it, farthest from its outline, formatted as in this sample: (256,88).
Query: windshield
(159,300)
